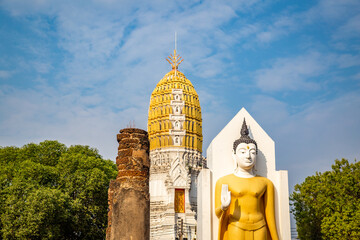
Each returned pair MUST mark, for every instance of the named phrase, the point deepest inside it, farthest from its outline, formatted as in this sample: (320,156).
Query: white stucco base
(204,205)
(220,163)
(173,168)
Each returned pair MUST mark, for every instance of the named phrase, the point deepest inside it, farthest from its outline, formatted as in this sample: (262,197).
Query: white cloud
(348,60)
(5,74)
(301,73)
(350,29)
(357,76)
(270,109)
(332,10)
(21,7)
(41,67)
(215,113)
(343,16)
(282,25)
(292,73)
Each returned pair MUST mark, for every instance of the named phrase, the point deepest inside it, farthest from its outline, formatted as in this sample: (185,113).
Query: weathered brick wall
(129,200)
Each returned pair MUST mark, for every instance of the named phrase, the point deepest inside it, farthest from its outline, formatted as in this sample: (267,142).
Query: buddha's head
(245,150)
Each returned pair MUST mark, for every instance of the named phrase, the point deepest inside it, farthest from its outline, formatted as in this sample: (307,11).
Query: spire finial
(174,60)
(175,41)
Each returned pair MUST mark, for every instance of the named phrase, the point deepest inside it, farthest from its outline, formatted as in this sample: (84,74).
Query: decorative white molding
(173,167)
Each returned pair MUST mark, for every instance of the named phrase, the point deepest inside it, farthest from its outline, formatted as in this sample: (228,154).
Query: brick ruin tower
(129,200)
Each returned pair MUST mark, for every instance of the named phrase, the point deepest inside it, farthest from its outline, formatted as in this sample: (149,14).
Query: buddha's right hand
(225,197)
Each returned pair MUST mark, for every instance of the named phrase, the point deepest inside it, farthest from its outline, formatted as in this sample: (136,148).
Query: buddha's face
(245,155)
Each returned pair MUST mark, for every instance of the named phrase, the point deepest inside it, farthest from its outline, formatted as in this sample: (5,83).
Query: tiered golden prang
(159,124)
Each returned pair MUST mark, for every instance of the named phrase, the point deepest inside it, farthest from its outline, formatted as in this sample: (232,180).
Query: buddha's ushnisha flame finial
(244,130)
(244,136)
(174,60)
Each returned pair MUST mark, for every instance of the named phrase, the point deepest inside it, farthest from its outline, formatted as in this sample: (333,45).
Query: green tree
(327,205)
(49,191)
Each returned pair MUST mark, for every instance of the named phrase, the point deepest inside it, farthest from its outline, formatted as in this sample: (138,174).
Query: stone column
(129,199)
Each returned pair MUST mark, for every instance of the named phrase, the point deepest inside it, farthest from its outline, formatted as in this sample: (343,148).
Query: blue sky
(79,71)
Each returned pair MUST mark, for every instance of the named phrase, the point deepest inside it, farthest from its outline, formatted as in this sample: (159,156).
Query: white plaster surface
(204,204)
(220,163)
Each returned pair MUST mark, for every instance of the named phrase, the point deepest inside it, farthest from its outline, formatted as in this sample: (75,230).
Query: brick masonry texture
(128,196)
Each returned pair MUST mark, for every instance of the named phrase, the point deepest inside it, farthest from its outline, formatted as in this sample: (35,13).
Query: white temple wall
(158,191)
(204,230)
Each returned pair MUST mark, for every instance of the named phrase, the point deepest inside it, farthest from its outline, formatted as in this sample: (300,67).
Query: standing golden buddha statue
(244,201)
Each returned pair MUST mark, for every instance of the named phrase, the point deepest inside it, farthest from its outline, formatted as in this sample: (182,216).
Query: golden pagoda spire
(174,60)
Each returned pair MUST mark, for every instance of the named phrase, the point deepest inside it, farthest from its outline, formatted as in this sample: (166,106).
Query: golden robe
(251,213)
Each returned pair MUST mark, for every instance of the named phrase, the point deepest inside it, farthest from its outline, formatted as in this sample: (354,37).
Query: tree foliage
(327,205)
(49,191)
